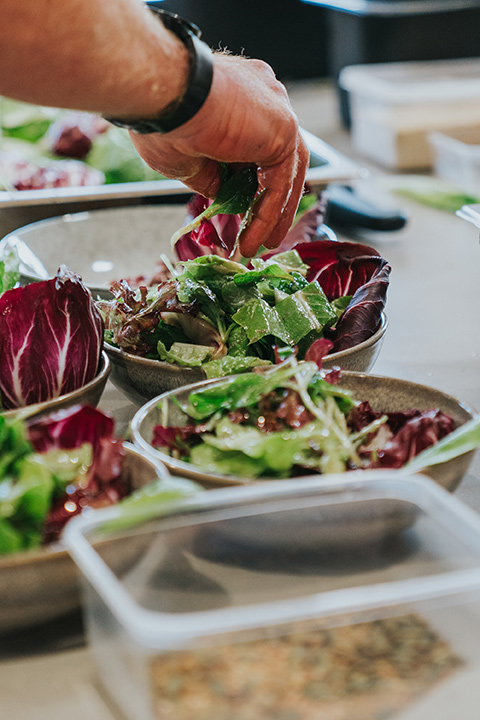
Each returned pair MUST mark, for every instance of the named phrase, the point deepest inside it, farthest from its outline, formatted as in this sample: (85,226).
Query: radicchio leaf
(409,433)
(340,267)
(235,197)
(175,438)
(72,134)
(215,235)
(26,174)
(52,338)
(317,351)
(306,228)
(71,428)
(361,317)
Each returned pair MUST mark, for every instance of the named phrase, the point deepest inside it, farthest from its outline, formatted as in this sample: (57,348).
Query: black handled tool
(347,209)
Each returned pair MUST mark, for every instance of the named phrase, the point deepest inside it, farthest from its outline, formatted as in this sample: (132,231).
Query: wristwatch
(198,84)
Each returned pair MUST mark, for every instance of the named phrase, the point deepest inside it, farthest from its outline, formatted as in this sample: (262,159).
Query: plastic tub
(384,31)
(320,597)
(394,107)
(457,158)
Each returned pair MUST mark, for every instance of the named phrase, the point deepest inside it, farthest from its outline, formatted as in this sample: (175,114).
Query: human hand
(247,118)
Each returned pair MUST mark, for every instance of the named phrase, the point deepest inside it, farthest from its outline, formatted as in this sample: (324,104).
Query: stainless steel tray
(326,166)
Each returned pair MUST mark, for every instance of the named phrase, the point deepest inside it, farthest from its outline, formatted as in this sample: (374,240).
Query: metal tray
(326,166)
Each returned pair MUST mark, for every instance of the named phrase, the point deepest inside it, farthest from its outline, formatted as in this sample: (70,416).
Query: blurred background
(317,38)
(288,34)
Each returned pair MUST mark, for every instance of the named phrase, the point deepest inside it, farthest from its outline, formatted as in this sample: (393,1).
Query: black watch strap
(198,84)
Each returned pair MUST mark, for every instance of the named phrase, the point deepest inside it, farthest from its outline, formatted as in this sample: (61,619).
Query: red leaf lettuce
(104,485)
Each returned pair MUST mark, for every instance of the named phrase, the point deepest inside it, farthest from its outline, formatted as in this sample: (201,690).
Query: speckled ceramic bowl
(383,393)
(142,379)
(41,585)
(89,394)
(100,246)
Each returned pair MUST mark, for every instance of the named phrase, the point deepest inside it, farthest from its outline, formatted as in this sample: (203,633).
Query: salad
(294,419)
(218,311)
(56,466)
(43,147)
(53,468)
(226,318)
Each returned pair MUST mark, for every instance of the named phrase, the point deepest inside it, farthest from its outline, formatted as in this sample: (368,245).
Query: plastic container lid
(465,145)
(414,82)
(238,559)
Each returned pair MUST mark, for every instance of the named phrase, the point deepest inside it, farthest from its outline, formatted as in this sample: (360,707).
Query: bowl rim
(80,215)
(332,358)
(30,410)
(118,354)
(57,550)
(190,471)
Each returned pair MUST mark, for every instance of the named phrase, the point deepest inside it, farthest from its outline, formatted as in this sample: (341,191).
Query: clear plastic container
(394,107)
(457,158)
(323,597)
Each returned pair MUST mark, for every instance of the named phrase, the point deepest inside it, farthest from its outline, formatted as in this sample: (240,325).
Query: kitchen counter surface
(433,338)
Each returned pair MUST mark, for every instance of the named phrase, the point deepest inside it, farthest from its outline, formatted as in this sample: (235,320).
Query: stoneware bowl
(383,393)
(42,585)
(89,394)
(100,246)
(142,379)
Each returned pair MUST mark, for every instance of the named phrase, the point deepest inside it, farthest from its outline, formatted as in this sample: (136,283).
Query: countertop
(433,338)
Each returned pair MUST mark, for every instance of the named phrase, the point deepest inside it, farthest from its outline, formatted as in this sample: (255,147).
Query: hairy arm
(106,56)
(113,57)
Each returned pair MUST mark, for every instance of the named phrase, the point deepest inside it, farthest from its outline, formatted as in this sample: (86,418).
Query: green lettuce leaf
(462,440)
(9,269)
(215,461)
(24,503)
(273,453)
(156,498)
(185,354)
(24,121)
(305,311)
(258,319)
(232,365)
(235,197)
(268,271)
(241,391)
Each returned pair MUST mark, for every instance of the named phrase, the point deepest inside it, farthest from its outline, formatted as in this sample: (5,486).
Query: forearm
(107,56)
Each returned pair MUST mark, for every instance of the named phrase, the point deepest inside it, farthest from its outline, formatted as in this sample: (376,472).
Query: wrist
(195,90)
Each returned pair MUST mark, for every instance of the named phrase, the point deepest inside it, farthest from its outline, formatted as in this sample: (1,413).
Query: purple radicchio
(104,483)
(217,235)
(361,318)
(341,268)
(52,339)
(404,435)
(214,236)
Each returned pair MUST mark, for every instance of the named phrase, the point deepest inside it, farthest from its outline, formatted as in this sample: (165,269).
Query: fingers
(298,184)
(201,174)
(274,213)
(204,178)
